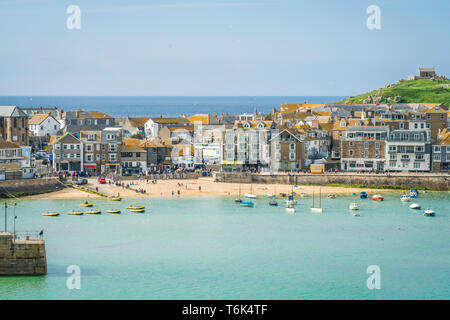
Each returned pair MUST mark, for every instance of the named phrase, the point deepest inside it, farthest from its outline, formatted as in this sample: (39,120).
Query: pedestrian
(178,192)
(200,188)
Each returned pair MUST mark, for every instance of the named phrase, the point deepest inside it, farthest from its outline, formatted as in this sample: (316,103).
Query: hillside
(407,91)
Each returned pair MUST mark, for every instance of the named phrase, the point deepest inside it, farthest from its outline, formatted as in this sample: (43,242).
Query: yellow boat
(50,214)
(75,213)
(137,210)
(93,212)
(115,199)
(86,204)
(135,207)
(113,211)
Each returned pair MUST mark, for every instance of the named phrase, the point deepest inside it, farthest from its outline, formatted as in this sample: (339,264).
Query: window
(392,163)
(437,157)
(350,152)
(89,157)
(392,148)
(429,116)
(103,147)
(72,147)
(58,146)
(377,145)
(112,148)
(58,156)
(97,157)
(416,165)
(405,156)
(65,146)
(292,146)
(103,157)
(419,157)
(402,125)
(428,126)
(366,153)
(112,157)
(442,116)
(393,157)
(97,146)
(437,149)
(419,149)
(350,143)
(292,156)
(89,147)
(366,145)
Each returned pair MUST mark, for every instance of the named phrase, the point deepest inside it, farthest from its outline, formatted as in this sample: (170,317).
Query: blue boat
(413,193)
(363,195)
(247,204)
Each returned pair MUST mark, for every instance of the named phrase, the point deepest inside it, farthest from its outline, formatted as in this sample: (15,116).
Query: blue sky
(217,47)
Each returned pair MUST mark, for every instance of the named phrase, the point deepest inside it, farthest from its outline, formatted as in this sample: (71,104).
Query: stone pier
(23,256)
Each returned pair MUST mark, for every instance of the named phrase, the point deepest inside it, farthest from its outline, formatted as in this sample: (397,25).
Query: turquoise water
(210,248)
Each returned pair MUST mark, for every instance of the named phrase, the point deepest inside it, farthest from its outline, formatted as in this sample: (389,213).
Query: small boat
(135,207)
(429,213)
(331,196)
(319,208)
(50,214)
(250,196)
(405,198)
(291,201)
(93,212)
(114,199)
(356,215)
(414,193)
(75,213)
(303,195)
(353,206)
(270,195)
(273,203)
(415,206)
(86,204)
(113,211)
(137,210)
(377,197)
(239,200)
(290,208)
(248,204)
(363,195)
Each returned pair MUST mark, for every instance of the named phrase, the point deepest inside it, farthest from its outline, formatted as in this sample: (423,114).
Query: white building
(41,125)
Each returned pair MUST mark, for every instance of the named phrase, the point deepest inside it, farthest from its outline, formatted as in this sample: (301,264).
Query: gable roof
(39,118)
(11,111)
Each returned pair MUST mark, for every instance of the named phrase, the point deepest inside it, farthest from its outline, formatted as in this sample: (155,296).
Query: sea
(120,107)
(211,248)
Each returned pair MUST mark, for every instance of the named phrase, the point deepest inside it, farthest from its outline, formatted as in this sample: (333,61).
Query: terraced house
(287,151)
(441,152)
(76,121)
(133,157)
(67,153)
(363,148)
(408,150)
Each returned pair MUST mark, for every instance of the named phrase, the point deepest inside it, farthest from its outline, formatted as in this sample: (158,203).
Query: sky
(217,47)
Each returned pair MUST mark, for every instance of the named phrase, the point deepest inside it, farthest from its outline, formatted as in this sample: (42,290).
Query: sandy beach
(202,187)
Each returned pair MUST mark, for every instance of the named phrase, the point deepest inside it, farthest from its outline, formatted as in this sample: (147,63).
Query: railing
(29,234)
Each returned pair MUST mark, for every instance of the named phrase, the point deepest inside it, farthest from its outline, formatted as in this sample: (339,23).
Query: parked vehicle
(81,182)
(102,180)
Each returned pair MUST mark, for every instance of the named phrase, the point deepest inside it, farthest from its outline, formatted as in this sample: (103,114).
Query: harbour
(211,248)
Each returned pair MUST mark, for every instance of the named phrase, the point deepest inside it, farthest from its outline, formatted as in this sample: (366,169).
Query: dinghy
(248,204)
(313,207)
(429,213)
(405,198)
(353,206)
(50,214)
(377,197)
(415,206)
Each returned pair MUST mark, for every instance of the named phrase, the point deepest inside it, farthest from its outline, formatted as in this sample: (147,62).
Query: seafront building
(359,137)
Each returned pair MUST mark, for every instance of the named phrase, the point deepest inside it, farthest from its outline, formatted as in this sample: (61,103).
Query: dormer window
(246,125)
(261,125)
(343,124)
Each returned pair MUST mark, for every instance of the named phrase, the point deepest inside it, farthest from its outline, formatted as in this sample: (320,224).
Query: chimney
(315,124)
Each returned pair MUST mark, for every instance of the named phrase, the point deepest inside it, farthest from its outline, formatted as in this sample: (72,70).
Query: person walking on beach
(178,192)
(172,193)
(200,188)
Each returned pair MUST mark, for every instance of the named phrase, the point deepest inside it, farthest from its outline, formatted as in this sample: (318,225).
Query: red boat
(378,197)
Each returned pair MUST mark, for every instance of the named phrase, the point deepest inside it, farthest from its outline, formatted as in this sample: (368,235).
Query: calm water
(166,106)
(213,249)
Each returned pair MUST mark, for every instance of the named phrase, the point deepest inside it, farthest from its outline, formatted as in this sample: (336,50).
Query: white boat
(405,198)
(354,206)
(290,209)
(291,201)
(429,213)
(377,197)
(319,208)
(414,206)
(356,215)
(303,195)
(250,196)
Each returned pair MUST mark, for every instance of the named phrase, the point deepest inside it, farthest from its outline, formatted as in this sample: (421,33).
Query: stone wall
(30,185)
(23,257)
(428,181)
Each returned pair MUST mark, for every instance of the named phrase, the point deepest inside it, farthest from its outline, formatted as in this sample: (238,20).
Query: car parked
(102,180)
(81,182)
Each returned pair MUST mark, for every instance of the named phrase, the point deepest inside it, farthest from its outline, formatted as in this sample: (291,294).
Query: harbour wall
(406,181)
(22,256)
(29,186)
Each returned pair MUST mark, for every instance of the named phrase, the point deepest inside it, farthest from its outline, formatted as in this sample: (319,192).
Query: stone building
(287,151)
(14,125)
(67,153)
(441,152)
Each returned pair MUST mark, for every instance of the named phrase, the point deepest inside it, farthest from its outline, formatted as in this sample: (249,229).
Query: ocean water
(166,106)
(211,248)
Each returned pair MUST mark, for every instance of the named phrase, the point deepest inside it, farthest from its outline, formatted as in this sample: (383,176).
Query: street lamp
(15,217)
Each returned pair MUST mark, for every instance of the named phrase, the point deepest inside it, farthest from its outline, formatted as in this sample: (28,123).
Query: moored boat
(415,206)
(114,199)
(356,215)
(273,203)
(291,201)
(290,208)
(75,213)
(429,213)
(314,208)
(354,206)
(135,207)
(113,211)
(377,197)
(250,196)
(137,210)
(331,196)
(86,204)
(414,193)
(363,195)
(50,214)
(405,198)
(93,212)
(248,204)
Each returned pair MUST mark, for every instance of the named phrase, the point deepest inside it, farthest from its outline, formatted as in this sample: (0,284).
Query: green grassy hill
(408,91)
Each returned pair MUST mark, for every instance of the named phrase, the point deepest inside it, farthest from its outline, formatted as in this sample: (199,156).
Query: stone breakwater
(22,256)
(428,181)
(32,186)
